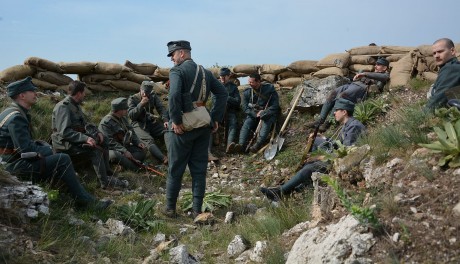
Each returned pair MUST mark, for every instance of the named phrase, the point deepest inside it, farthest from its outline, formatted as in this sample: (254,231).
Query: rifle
(310,141)
(145,166)
(259,126)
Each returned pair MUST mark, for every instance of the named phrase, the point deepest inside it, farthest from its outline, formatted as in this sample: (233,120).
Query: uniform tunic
(118,129)
(15,133)
(253,101)
(191,147)
(68,125)
(233,105)
(448,77)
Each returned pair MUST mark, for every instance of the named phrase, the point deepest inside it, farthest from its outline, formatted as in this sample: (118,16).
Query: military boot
(273,194)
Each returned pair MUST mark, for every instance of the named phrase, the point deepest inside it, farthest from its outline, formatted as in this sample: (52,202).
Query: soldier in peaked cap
(33,160)
(355,91)
(351,130)
(189,147)
(124,145)
(148,127)
(74,135)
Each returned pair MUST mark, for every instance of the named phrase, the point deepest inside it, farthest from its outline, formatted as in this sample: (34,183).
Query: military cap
(20,86)
(177,45)
(344,104)
(120,103)
(224,71)
(382,61)
(147,86)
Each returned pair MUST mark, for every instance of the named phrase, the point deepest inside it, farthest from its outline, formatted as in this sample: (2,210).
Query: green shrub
(211,201)
(140,215)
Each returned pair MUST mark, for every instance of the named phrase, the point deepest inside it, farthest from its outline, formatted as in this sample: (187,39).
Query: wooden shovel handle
(292,110)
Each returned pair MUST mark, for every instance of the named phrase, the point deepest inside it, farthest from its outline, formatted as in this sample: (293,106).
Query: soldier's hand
(165,124)
(178,129)
(141,145)
(101,137)
(358,76)
(90,141)
(145,98)
(128,155)
(259,114)
(216,127)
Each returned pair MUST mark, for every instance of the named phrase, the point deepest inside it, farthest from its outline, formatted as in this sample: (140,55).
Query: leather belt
(7,151)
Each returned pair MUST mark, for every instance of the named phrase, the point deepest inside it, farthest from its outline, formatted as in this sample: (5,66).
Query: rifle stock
(146,167)
(308,147)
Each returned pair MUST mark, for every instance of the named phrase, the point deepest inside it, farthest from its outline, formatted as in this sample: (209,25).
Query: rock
(396,237)
(180,255)
(228,217)
(343,242)
(351,160)
(237,246)
(204,218)
(456,210)
(317,90)
(258,251)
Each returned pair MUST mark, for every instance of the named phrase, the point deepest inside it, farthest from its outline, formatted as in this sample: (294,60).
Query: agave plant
(448,143)
(211,201)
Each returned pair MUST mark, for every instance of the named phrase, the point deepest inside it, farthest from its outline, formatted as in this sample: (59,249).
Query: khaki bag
(199,116)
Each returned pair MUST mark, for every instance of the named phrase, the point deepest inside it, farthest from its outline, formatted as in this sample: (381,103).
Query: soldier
(125,148)
(140,110)
(260,104)
(189,147)
(355,91)
(73,135)
(233,105)
(34,159)
(351,130)
(449,73)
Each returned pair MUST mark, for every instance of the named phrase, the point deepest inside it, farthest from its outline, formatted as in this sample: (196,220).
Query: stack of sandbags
(426,64)
(296,72)
(333,64)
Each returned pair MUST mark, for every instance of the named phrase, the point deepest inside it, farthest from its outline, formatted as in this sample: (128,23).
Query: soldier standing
(233,105)
(125,148)
(260,104)
(189,147)
(147,127)
(73,135)
(41,165)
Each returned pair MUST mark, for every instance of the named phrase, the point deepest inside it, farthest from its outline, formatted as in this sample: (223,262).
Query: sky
(224,33)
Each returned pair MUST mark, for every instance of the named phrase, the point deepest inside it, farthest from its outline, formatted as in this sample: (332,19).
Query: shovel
(277,143)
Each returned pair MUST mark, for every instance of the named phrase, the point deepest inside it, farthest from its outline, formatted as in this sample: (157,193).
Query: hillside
(414,200)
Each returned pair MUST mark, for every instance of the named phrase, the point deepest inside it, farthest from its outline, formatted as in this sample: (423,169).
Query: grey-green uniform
(143,120)
(69,136)
(122,137)
(191,147)
(16,139)
(266,99)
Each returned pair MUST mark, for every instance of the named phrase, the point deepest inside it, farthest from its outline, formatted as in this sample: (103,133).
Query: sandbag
(161,72)
(396,49)
(123,85)
(288,74)
(83,67)
(339,60)
(271,78)
(402,71)
(303,66)
(271,69)
(160,88)
(395,57)
(290,82)
(425,50)
(429,76)
(43,64)
(96,78)
(135,77)
(362,59)
(17,72)
(361,68)
(44,85)
(431,64)
(365,50)
(246,68)
(97,87)
(142,68)
(215,71)
(110,68)
(53,77)
(330,71)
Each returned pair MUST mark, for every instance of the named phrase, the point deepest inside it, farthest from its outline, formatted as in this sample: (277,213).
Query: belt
(200,104)
(7,151)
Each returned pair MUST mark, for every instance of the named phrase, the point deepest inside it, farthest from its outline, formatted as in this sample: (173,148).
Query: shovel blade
(280,143)
(270,151)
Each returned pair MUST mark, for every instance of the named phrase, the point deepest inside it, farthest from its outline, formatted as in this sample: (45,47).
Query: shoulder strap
(7,117)
(202,94)
(196,76)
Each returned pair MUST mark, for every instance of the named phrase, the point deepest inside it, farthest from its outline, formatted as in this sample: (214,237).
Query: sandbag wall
(405,63)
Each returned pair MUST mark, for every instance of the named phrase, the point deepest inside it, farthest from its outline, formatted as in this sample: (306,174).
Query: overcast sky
(221,32)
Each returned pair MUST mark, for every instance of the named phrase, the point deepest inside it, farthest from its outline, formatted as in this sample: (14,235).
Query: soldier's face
(441,53)
(340,115)
(225,78)
(254,83)
(29,97)
(380,68)
(177,57)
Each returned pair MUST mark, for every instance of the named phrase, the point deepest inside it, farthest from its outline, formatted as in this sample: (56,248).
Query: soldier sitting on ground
(355,91)
(72,134)
(147,127)
(351,130)
(125,148)
(34,160)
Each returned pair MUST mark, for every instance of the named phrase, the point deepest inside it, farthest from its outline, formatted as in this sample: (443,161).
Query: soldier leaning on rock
(141,108)
(31,159)
(124,145)
(72,134)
